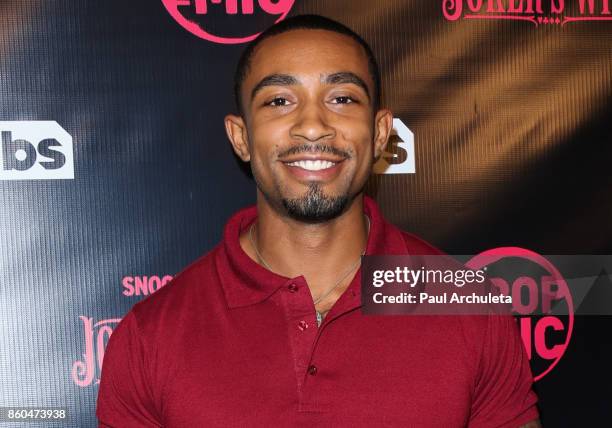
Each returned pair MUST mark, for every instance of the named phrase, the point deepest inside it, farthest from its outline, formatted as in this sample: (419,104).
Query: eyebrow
(274,80)
(330,79)
(347,77)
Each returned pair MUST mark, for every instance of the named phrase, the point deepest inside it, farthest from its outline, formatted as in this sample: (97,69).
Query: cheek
(266,142)
(359,135)
(361,140)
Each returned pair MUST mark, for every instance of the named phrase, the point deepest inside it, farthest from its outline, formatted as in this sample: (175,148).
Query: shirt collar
(245,282)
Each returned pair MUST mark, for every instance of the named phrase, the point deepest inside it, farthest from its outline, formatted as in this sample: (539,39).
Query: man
(265,329)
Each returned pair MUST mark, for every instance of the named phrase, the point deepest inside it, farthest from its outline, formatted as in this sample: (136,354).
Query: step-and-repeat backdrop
(115,172)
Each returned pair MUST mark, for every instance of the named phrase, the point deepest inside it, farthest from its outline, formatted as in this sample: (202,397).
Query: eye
(345,99)
(278,102)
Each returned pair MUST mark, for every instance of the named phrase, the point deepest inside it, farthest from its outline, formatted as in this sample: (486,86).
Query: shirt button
(292,288)
(312,370)
(302,325)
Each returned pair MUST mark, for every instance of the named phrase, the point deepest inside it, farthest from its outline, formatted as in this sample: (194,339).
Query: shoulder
(476,331)
(418,246)
(179,298)
(155,329)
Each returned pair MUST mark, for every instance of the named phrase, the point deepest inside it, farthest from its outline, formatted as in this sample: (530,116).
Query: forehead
(307,53)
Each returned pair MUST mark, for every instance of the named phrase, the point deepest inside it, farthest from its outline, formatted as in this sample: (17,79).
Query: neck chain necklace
(328,292)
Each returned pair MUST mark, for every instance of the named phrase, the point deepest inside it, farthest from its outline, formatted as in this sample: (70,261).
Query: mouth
(312,165)
(314,169)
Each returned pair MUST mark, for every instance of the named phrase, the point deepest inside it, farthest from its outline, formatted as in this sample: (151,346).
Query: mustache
(315,148)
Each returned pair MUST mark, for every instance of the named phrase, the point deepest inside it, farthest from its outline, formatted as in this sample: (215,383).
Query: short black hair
(309,22)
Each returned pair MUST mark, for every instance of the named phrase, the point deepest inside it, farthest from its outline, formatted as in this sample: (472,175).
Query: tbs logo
(227,21)
(35,151)
(398,157)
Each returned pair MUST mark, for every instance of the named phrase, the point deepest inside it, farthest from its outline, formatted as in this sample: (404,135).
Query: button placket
(301,319)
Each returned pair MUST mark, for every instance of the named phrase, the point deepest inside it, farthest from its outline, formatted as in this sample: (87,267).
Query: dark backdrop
(511,123)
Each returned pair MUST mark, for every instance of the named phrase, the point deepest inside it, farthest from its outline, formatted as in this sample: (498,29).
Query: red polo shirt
(228,343)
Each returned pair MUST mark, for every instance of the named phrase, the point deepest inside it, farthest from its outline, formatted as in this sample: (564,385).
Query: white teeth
(313,165)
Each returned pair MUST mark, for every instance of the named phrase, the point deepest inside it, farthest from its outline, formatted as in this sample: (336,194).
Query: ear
(383,125)
(237,135)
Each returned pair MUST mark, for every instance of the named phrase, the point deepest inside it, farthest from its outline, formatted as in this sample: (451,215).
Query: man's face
(309,125)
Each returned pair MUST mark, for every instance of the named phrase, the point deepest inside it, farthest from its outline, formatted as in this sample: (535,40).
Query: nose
(311,124)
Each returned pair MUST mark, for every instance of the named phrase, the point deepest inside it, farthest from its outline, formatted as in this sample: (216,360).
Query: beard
(315,206)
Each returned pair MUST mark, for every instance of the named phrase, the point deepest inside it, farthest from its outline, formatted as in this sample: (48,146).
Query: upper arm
(125,397)
(503,394)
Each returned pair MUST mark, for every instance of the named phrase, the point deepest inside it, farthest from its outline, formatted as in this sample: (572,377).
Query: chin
(316,206)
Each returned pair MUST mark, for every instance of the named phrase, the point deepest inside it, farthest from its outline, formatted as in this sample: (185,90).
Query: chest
(252,370)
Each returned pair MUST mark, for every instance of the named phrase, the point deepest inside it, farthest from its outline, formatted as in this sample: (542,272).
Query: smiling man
(266,329)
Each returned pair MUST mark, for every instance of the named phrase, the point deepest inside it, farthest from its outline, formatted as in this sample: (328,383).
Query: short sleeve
(503,395)
(124,398)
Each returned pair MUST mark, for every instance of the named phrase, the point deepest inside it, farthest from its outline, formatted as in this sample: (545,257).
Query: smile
(312,165)
(314,169)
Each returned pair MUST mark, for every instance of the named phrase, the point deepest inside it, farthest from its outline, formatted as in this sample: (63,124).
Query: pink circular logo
(227,21)
(536,292)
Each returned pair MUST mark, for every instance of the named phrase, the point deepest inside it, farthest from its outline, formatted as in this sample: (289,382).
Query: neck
(320,252)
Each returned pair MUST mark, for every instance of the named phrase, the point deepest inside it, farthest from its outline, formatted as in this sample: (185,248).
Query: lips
(314,169)
(312,165)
